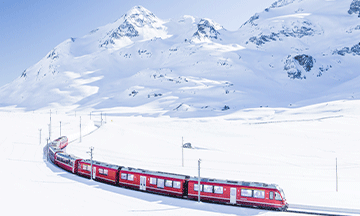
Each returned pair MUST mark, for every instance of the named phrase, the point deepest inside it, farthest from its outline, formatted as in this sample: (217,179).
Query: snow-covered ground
(295,148)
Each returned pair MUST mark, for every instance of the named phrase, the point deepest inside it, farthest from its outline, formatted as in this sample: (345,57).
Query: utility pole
(49,131)
(199,188)
(337,182)
(47,150)
(182,151)
(40,136)
(80,128)
(60,128)
(50,127)
(91,159)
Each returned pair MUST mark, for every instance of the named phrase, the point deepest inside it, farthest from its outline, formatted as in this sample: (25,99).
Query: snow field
(294,148)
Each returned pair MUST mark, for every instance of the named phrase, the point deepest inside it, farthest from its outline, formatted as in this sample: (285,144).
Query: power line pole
(80,128)
(182,151)
(49,131)
(199,188)
(50,127)
(60,128)
(47,150)
(91,159)
(337,182)
(40,136)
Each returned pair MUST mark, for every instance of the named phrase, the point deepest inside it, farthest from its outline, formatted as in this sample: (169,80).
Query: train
(60,142)
(241,193)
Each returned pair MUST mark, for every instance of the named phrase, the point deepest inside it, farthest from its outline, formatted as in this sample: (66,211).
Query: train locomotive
(252,194)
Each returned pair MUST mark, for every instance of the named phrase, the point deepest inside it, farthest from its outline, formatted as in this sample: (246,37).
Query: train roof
(157,173)
(61,138)
(72,157)
(240,183)
(112,166)
(54,148)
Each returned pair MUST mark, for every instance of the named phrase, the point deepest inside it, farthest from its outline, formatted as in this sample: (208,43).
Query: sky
(29,29)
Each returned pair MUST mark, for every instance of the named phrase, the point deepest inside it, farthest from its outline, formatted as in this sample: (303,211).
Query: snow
(140,49)
(295,148)
(227,93)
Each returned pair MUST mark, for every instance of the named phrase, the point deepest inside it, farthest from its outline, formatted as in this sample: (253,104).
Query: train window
(246,192)
(196,187)
(208,188)
(271,195)
(153,181)
(160,183)
(277,196)
(259,194)
(86,167)
(79,166)
(130,177)
(218,189)
(123,176)
(168,183)
(103,171)
(177,184)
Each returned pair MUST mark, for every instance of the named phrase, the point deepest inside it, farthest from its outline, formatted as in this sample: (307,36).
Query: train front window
(277,196)
(282,193)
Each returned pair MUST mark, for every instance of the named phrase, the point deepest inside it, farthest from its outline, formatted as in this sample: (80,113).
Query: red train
(252,194)
(61,142)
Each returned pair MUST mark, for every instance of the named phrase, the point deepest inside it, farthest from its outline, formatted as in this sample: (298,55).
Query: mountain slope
(295,52)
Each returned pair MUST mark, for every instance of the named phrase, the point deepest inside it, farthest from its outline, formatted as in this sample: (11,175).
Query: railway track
(306,209)
(319,210)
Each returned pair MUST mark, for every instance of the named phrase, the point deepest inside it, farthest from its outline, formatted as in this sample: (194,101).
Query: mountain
(294,53)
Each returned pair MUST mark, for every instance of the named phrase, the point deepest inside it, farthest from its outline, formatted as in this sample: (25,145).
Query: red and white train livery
(241,193)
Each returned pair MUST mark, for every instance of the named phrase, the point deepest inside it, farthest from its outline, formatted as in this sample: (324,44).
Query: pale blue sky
(29,29)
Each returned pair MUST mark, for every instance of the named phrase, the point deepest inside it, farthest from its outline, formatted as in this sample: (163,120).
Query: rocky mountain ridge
(294,53)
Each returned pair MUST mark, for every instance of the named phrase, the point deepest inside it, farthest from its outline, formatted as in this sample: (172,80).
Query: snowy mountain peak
(207,29)
(297,53)
(355,7)
(281,3)
(140,17)
(138,23)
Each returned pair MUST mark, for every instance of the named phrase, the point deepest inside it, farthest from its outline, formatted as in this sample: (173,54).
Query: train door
(73,166)
(142,182)
(233,195)
(94,173)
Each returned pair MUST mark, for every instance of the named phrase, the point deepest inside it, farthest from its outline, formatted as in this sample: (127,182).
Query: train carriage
(101,171)
(241,193)
(252,194)
(67,162)
(61,142)
(52,151)
(157,182)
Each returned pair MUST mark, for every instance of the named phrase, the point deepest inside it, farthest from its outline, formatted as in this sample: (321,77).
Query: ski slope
(295,148)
